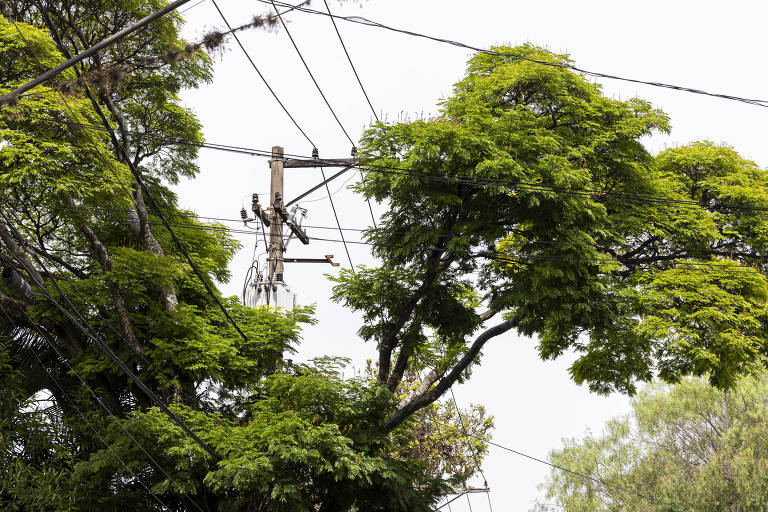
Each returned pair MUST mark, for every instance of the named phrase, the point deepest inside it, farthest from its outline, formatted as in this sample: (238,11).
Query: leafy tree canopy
(75,432)
(530,198)
(687,444)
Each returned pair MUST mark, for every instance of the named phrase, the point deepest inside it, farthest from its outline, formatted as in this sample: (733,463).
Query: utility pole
(276,222)
(270,287)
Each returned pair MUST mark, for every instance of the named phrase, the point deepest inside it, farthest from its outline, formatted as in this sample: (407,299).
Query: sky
(710,45)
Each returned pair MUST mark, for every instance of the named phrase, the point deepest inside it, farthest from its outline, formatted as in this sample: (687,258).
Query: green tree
(687,444)
(531,199)
(74,222)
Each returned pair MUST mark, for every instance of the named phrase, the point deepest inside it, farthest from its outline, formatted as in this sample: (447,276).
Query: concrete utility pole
(270,288)
(276,223)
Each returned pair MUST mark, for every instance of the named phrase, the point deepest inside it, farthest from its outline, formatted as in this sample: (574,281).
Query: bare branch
(427,397)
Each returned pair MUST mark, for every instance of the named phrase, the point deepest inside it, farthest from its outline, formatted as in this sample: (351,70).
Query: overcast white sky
(712,45)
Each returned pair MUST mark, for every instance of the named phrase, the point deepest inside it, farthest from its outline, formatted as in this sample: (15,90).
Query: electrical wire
(309,71)
(92,334)
(515,258)
(469,180)
(263,79)
(366,22)
(365,93)
(82,415)
(573,472)
(351,64)
(474,452)
(341,232)
(122,152)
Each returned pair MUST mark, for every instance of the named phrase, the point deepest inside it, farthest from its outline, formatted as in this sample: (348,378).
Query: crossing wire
(91,333)
(263,78)
(366,22)
(362,88)
(514,258)
(456,179)
(571,471)
(312,76)
(351,64)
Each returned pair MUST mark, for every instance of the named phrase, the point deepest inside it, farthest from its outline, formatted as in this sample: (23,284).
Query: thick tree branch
(427,397)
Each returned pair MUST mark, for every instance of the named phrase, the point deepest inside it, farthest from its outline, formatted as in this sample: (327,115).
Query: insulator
(243,214)
(393,152)
(315,153)
(15,282)
(279,276)
(354,151)
(255,203)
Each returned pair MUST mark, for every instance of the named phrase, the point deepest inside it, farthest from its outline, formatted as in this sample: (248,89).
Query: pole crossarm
(93,50)
(318,162)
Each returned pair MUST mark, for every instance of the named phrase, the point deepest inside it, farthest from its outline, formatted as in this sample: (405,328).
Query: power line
(573,472)
(95,337)
(82,415)
(357,76)
(352,65)
(309,71)
(469,180)
(515,258)
(122,152)
(474,452)
(341,232)
(366,22)
(263,79)
(93,50)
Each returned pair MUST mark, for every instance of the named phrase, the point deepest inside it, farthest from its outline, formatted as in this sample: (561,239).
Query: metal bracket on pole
(328,259)
(295,228)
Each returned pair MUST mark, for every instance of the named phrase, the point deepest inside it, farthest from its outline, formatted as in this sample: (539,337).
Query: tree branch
(427,397)
(101,254)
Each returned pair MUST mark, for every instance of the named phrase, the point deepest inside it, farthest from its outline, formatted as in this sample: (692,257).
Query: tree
(531,199)
(687,444)
(75,432)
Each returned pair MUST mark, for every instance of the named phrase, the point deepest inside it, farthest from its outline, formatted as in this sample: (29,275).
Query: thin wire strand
(263,79)
(351,64)
(341,232)
(309,71)
(463,179)
(364,21)
(576,473)
(474,452)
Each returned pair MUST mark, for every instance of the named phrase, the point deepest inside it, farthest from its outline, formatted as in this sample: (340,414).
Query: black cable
(341,232)
(521,257)
(122,152)
(364,21)
(576,473)
(365,93)
(253,65)
(95,337)
(306,66)
(352,65)
(82,415)
(474,452)
(460,179)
